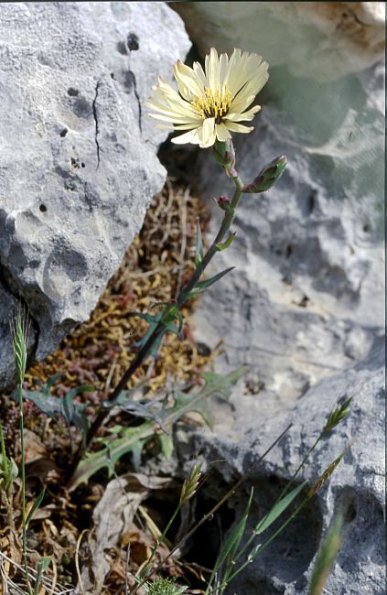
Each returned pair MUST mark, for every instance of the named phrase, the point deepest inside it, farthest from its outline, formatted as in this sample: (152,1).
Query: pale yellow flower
(210,102)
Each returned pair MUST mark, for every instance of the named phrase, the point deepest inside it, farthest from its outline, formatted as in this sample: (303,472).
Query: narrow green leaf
(156,346)
(79,390)
(230,546)
(34,507)
(71,411)
(42,566)
(44,563)
(278,509)
(152,325)
(136,450)
(199,245)
(326,557)
(201,286)
(224,245)
(172,328)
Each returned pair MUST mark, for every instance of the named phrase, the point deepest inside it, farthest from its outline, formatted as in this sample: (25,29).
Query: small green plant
(158,422)
(228,564)
(165,586)
(20,339)
(19,333)
(210,106)
(188,491)
(61,407)
(8,473)
(238,550)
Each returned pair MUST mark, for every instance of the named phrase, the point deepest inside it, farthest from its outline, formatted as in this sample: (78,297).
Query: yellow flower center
(213,104)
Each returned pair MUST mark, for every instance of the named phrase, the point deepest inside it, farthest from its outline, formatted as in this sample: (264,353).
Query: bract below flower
(210,103)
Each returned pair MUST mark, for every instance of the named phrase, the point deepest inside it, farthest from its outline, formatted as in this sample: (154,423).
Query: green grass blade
(35,507)
(326,557)
(278,509)
(199,245)
(232,542)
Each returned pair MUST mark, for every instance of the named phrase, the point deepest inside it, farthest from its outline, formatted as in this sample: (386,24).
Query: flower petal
(249,115)
(247,93)
(187,137)
(186,78)
(174,119)
(223,67)
(212,69)
(222,134)
(208,133)
(199,72)
(188,126)
(238,127)
(244,67)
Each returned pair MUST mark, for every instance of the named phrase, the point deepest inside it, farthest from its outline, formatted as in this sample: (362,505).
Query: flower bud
(223,202)
(268,176)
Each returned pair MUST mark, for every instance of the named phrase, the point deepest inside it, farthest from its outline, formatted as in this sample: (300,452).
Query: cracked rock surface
(78,155)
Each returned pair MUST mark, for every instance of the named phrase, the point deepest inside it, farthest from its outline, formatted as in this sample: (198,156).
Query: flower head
(210,103)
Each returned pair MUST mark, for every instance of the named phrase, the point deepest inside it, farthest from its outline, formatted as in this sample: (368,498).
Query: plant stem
(284,491)
(228,219)
(220,503)
(182,297)
(159,540)
(23,476)
(259,548)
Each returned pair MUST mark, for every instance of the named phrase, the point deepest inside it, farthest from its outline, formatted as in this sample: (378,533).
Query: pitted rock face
(78,154)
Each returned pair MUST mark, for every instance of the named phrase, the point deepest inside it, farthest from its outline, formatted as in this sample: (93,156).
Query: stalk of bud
(225,155)
(268,176)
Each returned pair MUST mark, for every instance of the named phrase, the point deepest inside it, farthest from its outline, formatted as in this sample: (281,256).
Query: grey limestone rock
(78,155)
(319,40)
(356,488)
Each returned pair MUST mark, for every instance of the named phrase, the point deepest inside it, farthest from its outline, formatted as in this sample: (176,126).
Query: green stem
(182,297)
(282,494)
(220,503)
(259,549)
(154,550)
(23,477)
(224,228)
